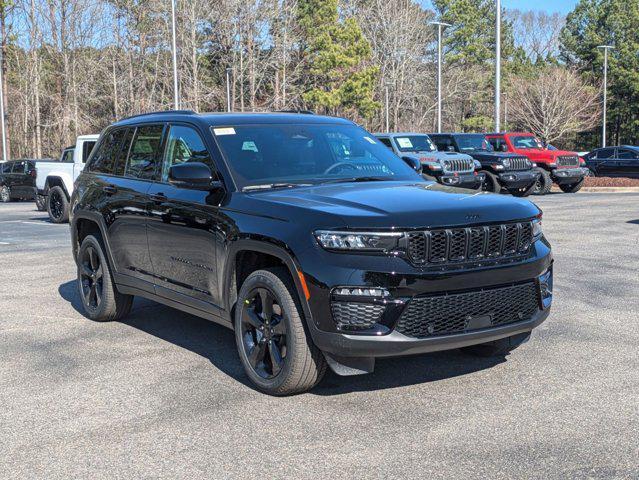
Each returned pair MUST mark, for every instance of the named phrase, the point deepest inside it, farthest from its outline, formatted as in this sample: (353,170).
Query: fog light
(545,286)
(361,292)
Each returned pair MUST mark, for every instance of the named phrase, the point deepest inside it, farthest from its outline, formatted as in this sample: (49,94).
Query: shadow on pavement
(636,222)
(217,344)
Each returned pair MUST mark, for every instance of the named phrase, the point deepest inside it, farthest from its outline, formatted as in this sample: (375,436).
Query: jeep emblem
(473,216)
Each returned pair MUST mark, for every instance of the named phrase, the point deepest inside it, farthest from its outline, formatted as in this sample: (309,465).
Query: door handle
(158,197)
(109,189)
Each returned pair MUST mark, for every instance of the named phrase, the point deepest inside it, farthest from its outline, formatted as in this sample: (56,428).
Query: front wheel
(497,348)
(572,187)
(58,205)
(41,202)
(100,298)
(277,354)
(543,183)
(5,194)
(491,183)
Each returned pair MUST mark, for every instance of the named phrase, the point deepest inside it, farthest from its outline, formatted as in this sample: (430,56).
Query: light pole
(440,25)
(228,89)
(2,119)
(176,94)
(497,65)
(605,92)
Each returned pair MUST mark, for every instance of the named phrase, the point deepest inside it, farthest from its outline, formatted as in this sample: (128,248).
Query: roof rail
(305,112)
(160,112)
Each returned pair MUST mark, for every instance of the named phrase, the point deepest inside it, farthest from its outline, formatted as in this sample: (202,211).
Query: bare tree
(553,104)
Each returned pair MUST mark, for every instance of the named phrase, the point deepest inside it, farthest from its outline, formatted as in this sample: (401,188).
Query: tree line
(74,66)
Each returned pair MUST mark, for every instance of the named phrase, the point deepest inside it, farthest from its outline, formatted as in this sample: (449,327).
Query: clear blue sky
(550,6)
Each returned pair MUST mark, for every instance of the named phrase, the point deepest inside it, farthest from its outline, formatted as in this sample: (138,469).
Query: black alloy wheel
(55,202)
(91,278)
(5,194)
(58,205)
(264,333)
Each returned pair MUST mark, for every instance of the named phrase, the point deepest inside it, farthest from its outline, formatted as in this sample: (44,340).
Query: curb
(605,189)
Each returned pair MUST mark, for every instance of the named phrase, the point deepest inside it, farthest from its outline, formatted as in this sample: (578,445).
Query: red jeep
(559,166)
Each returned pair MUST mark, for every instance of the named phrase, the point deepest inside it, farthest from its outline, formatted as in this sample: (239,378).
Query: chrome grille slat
(459,165)
(458,245)
(519,163)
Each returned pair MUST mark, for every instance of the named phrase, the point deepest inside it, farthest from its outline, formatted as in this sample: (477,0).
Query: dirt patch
(611,182)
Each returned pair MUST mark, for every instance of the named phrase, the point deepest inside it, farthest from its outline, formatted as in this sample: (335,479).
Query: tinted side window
(18,167)
(184,144)
(120,163)
(145,152)
(499,144)
(386,142)
(605,153)
(6,168)
(442,143)
(67,156)
(626,154)
(108,151)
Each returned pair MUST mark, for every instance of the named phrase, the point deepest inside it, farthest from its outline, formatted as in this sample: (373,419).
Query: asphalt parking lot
(163,395)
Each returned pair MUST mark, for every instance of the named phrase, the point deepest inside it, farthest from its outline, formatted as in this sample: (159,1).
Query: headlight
(506,163)
(477,164)
(536,228)
(358,241)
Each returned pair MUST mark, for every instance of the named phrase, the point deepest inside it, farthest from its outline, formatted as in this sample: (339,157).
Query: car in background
(448,168)
(620,161)
(17,181)
(54,180)
(512,172)
(559,166)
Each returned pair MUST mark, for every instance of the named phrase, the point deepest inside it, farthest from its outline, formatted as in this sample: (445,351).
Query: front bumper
(518,179)
(404,283)
(565,176)
(462,180)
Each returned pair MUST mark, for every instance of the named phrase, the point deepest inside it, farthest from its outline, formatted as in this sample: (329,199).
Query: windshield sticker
(248,145)
(369,140)
(404,143)
(224,131)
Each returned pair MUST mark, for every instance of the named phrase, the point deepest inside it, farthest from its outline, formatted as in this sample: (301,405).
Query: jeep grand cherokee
(310,239)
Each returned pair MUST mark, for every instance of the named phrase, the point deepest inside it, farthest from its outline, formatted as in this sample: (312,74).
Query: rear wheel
(572,187)
(41,202)
(101,300)
(5,194)
(277,353)
(491,183)
(543,183)
(58,205)
(497,348)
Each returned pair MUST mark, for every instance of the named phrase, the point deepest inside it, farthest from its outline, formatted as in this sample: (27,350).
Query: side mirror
(413,163)
(450,148)
(193,175)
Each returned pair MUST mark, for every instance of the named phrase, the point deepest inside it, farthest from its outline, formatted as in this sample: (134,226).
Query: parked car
(54,180)
(448,168)
(559,166)
(309,238)
(620,161)
(509,171)
(17,180)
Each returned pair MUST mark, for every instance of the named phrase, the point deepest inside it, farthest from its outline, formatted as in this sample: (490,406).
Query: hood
(437,156)
(535,154)
(390,205)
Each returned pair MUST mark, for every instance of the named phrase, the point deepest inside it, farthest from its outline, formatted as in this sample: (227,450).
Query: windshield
(287,155)
(527,142)
(415,143)
(473,143)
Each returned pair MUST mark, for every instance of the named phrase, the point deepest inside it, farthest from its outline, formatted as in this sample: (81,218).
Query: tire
(491,183)
(497,348)
(523,192)
(591,173)
(260,343)
(58,205)
(543,184)
(100,298)
(41,202)
(5,194)
(572,187)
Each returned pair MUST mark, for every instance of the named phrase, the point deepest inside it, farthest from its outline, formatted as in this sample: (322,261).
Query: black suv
(17,181)
(513,172)
(308,237)
(614,161)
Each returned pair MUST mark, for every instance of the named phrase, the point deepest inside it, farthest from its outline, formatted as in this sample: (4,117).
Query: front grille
(356,316)
(430,316)
(456,245)
(459,165)
(519,163)
(568,161)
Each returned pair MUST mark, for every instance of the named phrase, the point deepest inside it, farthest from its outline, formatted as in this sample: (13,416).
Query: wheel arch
(56,181)
(85,223)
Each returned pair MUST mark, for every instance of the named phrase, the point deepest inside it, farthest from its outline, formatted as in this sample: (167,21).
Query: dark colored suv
(17,180)
(515,173)
(614,161)
(308,237)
